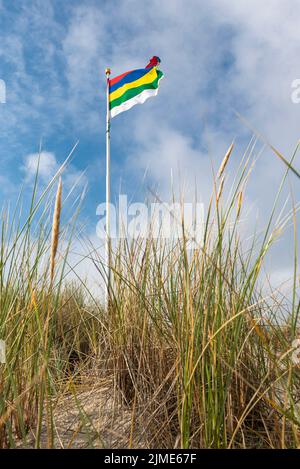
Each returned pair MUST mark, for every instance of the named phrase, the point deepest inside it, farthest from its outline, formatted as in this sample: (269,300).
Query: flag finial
(107,71)
(153,62)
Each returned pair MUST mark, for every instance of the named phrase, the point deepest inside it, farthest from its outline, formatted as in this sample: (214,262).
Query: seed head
(225,161)
(55,229)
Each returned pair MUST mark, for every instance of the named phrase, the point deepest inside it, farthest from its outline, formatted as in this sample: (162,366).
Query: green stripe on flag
(135,91)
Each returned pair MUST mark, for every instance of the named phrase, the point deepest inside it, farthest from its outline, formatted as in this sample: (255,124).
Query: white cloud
(82,45)
(47,165)
(169,152)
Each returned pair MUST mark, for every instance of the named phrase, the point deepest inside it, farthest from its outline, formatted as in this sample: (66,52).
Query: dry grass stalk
(33,302)
(220,190)
(55,230)
(239,206)
(225,161)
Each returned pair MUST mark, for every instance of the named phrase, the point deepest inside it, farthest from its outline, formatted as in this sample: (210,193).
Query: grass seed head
(239,203)
(225,161)
(55,229)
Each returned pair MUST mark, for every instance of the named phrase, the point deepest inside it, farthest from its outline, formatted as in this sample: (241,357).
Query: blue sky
(218,57)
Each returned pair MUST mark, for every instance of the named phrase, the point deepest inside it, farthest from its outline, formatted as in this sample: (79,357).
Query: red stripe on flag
(118,78)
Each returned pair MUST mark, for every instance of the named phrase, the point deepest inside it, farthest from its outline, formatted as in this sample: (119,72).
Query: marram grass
(191,354)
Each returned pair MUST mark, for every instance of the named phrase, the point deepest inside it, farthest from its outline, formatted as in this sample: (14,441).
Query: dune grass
(192,348)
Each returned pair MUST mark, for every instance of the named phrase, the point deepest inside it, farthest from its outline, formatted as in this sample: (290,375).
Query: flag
(134,87)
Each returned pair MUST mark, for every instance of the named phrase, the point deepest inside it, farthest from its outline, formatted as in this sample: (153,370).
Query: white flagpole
(107,240)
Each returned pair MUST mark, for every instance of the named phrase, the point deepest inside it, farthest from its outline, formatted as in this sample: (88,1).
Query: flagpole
(107,240)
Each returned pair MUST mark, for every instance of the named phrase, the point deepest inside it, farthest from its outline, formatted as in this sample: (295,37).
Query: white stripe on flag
(139,99)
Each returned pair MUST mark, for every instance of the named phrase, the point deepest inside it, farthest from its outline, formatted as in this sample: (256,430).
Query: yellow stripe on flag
(148,78)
